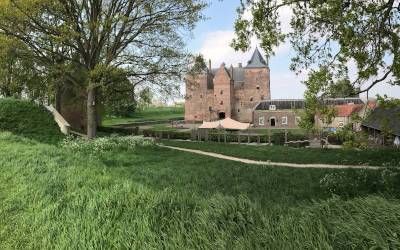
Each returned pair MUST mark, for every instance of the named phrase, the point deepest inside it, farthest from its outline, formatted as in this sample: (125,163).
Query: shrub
(353,182)
(28,119)
(104,144)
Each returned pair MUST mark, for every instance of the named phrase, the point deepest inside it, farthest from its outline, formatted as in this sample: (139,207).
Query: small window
(284,120)
(258,87)
(222,92)
(210,108)
(238,110)
(201,96)
(261,121)
(251,99)
(195,117)
(222,103)
(272,107)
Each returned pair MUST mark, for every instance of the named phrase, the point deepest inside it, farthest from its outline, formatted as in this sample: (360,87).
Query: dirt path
(269,163)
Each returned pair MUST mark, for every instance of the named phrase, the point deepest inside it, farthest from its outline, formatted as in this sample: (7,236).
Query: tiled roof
(347,110)
(257,60)
(378,117)
(282,104)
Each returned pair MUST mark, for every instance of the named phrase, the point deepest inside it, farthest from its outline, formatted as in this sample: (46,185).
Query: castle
(225,92)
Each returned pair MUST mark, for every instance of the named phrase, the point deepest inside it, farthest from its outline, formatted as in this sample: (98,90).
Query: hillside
(29,120)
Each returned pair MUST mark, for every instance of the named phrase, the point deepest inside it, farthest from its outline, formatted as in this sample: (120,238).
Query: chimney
(240,65)
(209,64)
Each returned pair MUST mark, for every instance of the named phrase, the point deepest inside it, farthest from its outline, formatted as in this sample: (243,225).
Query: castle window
(272,107)
(210,108)
(284,120)
(258,87)
(222,92)
(251,99)
(201,96)
(261,121)
(222,103)
(238,110)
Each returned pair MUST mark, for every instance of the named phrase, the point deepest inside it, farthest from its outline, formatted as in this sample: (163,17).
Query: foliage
(104,35)
(352,138)
(103,144)
(52,198)
(18,73)
(355,182)
(371,157)
(28,119)
(329,35)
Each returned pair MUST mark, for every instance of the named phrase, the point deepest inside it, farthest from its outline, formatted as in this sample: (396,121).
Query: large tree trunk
(91,113)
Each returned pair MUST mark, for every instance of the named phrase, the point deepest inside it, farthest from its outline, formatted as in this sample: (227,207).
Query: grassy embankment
(372,157)
(161,114)
(55,197)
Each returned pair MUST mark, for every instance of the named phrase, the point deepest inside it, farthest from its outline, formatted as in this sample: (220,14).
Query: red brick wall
(196,98)
(223,92)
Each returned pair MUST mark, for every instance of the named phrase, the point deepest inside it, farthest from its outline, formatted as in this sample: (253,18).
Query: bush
(354,182)
(104,144)
(28,119)
(167,134)
(119,131)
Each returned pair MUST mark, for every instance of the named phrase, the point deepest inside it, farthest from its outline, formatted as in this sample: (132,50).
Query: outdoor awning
(226,123)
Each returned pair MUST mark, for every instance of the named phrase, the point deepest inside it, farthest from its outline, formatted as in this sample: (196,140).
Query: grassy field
(372,157)
(149,114)
(149,197)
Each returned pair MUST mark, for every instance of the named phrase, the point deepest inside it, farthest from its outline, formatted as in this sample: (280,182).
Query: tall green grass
(147,115)
(152,198)
(29,119)
(372,157)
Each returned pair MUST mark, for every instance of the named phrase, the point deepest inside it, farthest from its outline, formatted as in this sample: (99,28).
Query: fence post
(269,137)
(219,136)
(248,137)
(225,136)
(286,133)
(239,137)
(206,135)
(258,139)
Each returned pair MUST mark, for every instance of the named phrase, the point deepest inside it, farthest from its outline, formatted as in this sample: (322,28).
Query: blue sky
(213,36)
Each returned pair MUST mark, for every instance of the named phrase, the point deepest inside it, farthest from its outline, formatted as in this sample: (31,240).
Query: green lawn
(149,114)
(152,198)
(372,157)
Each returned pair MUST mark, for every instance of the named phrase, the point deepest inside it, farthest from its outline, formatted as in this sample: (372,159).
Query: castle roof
(257,60)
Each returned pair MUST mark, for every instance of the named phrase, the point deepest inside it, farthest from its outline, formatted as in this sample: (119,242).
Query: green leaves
(329,34)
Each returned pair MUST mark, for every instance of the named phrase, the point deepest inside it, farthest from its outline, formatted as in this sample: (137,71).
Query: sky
(213,36)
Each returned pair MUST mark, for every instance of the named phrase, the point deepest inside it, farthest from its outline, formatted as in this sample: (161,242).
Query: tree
(18,74)
(143,37)
(330,34)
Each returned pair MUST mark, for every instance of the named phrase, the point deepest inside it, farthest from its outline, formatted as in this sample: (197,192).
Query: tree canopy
(144,38)
(328,36)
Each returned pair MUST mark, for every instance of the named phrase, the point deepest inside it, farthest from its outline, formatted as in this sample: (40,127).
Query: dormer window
(272,107)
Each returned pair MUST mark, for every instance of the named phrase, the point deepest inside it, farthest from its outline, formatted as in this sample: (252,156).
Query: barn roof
(378,117)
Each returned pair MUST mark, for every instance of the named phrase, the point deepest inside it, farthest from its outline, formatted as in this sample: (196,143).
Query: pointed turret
(257,60)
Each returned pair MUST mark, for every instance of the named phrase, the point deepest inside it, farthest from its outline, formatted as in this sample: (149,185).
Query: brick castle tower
(230,92)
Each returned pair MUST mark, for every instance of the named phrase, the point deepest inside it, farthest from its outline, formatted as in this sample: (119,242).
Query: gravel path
(269,163)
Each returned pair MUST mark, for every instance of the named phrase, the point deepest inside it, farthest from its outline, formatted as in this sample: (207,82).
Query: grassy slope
(155,197)
(150,114)
(371,157)
(28,119)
